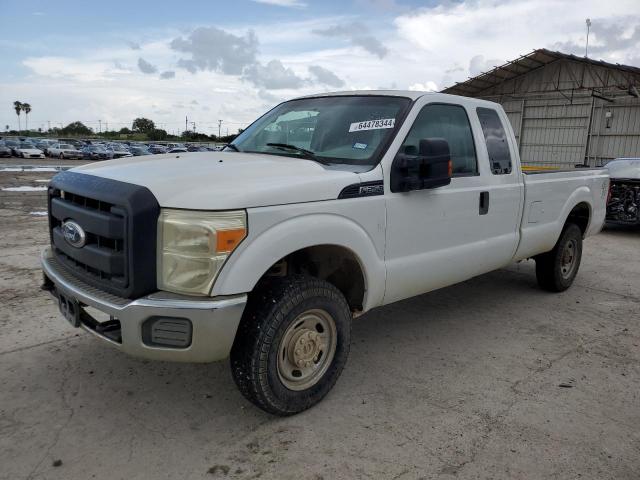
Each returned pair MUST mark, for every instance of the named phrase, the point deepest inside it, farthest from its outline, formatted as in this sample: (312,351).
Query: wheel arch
(580,215)
(305,243)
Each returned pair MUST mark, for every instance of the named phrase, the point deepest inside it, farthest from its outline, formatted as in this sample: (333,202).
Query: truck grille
(103,256)
(118,221)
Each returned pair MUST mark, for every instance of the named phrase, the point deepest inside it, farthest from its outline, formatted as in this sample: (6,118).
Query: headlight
(193,246)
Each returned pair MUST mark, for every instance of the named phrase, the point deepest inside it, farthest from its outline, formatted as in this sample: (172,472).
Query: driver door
(436,237)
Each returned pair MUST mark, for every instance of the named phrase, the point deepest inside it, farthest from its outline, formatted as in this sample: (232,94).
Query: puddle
(24,189)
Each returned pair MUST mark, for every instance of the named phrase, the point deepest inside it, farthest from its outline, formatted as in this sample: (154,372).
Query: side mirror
(430,168)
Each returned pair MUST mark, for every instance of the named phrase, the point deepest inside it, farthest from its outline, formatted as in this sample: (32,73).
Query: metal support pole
(520,128)
(586,144)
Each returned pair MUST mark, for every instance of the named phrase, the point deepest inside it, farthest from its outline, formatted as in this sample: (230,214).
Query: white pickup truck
(324,208)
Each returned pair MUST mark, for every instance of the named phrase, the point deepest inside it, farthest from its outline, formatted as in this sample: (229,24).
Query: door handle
(484,203)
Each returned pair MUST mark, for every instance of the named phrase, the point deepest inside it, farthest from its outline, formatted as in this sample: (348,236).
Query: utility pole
(186,123)
(194,126)
(100,125)
(219,127)
(586,48)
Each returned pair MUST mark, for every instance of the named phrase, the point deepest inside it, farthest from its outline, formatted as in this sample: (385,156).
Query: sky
(106,63)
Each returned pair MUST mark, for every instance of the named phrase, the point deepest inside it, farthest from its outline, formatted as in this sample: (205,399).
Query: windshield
(339,129)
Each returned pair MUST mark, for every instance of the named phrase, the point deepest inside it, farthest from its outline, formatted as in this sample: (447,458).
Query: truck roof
(412,94)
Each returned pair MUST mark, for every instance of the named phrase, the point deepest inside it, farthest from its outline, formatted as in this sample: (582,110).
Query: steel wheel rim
(307,349)
(568,259)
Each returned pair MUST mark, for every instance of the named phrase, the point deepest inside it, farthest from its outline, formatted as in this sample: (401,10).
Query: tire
(289,320)
(556,270)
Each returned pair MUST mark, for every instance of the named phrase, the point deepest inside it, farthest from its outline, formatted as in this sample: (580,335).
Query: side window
(451,123)
(496,138)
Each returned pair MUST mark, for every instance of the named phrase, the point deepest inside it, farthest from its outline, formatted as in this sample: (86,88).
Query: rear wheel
(556,270)
(292,344)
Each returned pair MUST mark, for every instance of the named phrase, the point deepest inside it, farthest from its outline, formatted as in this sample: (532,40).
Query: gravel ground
(491,378)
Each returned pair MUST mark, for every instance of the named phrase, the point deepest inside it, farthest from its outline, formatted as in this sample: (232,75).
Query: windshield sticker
(372,124)
(360,146)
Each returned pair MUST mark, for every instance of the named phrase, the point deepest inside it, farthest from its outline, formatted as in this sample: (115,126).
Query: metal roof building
(565,110)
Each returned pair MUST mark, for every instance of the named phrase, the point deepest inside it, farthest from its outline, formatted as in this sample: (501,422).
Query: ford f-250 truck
(324,208)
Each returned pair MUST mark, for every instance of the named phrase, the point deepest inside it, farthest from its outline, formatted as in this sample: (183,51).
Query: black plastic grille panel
(119,220)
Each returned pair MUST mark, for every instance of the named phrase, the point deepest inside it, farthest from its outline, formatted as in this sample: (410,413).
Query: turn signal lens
(228,240)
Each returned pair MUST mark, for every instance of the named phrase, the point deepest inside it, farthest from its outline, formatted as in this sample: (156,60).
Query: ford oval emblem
(74,234)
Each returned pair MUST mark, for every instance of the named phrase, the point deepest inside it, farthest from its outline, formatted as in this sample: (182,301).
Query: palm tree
(26,108)
(18,108)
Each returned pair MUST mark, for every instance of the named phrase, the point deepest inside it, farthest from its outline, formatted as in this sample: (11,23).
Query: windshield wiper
(230,146)
(307,153)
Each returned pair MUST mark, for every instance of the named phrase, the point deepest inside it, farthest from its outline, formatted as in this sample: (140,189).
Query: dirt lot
(492,378)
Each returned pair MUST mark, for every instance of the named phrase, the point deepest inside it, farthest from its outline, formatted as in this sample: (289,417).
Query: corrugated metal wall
(557,125)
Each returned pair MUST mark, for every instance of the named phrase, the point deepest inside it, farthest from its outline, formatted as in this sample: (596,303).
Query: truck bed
(549,197)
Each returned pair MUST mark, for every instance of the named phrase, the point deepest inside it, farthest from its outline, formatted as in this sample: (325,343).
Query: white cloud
(146,67)
(456,33)
(358,34)
(246,68)
(325,76)
(210,48)
(274,75)
(424,87)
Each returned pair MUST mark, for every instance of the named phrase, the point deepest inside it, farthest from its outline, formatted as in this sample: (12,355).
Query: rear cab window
(495,138)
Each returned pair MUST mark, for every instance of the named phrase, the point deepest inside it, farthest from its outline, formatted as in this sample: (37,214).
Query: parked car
(623,205)
(138,151)
(79,144)
(197,148)
(175,145)
(5,150)
(28,150)
(118,150)
(157,149)
(44,145)
(65,150)
(177,150)
(267,253)
(13,145)
(96,152)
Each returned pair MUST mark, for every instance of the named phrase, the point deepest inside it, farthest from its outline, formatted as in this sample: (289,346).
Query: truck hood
(226,180)
(624,168)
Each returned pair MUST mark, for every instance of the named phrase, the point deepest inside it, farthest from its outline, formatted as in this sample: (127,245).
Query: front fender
(260,250)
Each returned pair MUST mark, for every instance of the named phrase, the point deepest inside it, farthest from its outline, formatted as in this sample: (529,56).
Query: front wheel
(292,344)
(556,270)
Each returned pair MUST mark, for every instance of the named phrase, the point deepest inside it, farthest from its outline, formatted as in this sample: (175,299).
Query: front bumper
(214,321)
